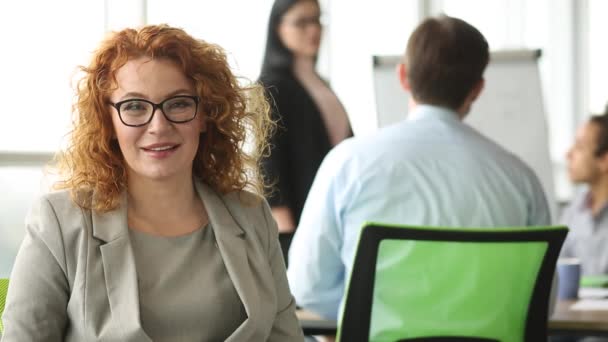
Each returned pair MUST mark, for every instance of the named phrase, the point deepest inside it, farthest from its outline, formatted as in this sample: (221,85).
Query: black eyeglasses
(139,112)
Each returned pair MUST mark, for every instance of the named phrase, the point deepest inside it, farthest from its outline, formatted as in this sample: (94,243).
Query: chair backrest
(3,290)
(446,284)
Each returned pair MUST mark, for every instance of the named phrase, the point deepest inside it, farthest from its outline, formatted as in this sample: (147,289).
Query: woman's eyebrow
(132,94)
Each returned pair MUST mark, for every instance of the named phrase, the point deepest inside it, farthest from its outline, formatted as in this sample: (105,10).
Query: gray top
(588,236)
(185,293)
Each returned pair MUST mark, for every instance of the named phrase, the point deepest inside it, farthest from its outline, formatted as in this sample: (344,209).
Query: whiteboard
(509,110)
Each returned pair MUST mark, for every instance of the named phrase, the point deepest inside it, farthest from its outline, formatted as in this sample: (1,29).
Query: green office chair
(3,290)
(444,284)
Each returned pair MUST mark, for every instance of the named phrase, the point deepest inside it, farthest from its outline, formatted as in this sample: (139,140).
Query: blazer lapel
(232,246)
(119,271)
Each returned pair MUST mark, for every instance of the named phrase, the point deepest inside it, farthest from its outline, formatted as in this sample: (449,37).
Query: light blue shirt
(588,236)
(431,169)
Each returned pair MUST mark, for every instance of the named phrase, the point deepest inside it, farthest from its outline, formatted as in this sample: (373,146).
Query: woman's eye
(181,104)
(134,106)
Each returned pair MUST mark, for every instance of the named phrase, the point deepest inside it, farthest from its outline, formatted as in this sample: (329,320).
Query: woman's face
(300,28)
(160,149)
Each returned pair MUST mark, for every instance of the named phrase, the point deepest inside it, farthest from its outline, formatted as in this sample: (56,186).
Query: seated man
(587,214)
(430,169)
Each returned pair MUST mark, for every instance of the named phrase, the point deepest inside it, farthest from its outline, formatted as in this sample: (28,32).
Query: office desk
(563,322)
(566,321)
(315,325)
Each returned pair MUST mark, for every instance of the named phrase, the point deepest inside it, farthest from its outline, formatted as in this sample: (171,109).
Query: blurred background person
(311,119)
(430,169)
(587,213)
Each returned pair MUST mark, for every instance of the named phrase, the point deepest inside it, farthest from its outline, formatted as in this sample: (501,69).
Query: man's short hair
(601,120)
(445,59)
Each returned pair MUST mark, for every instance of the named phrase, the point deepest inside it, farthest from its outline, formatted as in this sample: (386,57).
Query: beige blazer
(74,278)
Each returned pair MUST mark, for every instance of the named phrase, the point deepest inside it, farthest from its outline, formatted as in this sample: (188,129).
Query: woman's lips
(160,151)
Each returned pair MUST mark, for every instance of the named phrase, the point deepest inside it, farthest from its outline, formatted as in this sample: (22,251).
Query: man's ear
(476,91)
(402,76)
(603,162)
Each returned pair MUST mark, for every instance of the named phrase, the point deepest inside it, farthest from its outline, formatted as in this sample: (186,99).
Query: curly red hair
(93,161)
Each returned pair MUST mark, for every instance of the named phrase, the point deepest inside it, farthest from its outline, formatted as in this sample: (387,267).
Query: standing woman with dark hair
(310,117)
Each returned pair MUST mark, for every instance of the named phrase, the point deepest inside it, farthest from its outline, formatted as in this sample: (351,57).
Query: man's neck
(413,105)
(598,195)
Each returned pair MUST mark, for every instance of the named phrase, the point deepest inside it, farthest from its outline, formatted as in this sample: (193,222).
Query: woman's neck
(304,66)
(332,112)
(164,207)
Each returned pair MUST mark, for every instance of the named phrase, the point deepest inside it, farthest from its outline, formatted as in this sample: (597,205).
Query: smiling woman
(161,225)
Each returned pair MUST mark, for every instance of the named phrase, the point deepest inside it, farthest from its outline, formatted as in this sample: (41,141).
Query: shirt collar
(424,111)
(581,199)
(585,204)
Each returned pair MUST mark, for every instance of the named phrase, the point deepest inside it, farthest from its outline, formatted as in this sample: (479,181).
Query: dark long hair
(277,55)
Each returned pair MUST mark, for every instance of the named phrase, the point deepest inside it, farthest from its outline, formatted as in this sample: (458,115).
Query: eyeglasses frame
(156,106)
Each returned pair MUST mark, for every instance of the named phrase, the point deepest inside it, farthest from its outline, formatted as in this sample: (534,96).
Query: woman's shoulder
(57,208)
(244,200)
(249,209)
(58,200)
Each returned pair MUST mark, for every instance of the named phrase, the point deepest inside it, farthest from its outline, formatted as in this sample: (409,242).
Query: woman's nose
(159,122)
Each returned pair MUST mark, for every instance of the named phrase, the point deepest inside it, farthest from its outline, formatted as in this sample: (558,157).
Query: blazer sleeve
(275,166)
(36,304)
(286,326)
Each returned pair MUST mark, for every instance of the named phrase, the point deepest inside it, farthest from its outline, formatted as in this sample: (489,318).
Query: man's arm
(316,271)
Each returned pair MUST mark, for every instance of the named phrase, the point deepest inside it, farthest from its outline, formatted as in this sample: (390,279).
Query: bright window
(39,57)
(359,30)
(238,26)
(598,55)
(43,42)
